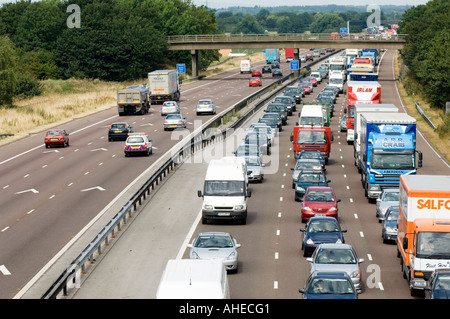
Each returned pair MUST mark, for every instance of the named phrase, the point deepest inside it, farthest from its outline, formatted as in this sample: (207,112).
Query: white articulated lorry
(164,85)
(366,108)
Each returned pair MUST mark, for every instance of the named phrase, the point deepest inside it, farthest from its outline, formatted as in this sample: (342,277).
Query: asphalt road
(50,197)
(271,264)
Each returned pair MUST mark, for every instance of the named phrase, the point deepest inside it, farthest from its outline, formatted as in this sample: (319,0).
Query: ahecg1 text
(227,308)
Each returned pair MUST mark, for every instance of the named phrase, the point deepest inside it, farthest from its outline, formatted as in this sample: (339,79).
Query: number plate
(223,214)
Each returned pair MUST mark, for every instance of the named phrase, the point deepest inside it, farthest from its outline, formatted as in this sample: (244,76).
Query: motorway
(51,197)
(271,265)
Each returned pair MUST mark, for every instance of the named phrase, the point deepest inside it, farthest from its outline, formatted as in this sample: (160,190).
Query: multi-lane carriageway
(36,226)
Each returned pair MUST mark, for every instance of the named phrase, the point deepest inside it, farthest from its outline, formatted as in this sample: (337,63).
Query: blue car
(438,286)
(306,179)
(312,154)
(329,285)
(321,230)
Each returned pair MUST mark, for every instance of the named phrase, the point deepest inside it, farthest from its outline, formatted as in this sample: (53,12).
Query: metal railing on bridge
(282,37)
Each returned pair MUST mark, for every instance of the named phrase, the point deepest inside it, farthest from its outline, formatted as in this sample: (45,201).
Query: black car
(277,72)
(295,92)
(275,65)
(438,286)
(266,69)
(280,108)
(289,101)
(273,120)
(119,131)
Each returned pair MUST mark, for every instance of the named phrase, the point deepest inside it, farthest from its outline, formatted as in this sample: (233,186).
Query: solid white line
(189,235)
(4,270)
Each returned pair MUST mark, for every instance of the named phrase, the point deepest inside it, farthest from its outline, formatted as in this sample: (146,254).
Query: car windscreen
(307,120)
(335,256)
(224,188)
(319,196)
(321,226)
(330,286)
(135,139)
(213,241)
(311,178)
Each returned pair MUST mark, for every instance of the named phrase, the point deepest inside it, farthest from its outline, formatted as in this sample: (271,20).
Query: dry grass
(442,144)
(65,100)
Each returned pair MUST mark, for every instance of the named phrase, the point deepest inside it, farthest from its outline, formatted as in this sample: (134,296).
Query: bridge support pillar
(297,57)
(194,55)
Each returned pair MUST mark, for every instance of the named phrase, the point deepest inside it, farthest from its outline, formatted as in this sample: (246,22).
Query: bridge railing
(279,37)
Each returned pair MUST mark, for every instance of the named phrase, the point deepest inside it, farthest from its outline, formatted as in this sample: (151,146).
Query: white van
(225,192)
(246,66)
(336,79)
(311,114)
(194,279)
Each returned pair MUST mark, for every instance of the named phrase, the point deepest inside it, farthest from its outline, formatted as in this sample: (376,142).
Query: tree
(249,25)
(8,77)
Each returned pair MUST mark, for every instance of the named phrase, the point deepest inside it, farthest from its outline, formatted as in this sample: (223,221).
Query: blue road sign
(181,68)
(343,30)
(295,65)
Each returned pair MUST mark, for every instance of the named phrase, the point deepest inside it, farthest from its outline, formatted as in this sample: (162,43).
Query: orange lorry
(423,235)
(312,138)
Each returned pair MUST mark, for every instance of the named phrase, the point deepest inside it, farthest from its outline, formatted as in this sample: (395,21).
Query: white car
(206,106)
(318,76)
(170,107)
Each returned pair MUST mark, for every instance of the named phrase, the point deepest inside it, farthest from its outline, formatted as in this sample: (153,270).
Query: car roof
(320,188)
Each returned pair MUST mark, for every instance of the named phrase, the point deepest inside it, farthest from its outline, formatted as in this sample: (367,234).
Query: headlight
(355,274)
(332,209)
(232,255)
(239,207)
(298,188)
(307,209)
(208,207)
(339,241)
(310,242)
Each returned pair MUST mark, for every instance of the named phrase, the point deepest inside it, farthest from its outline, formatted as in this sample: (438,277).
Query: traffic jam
(409,207)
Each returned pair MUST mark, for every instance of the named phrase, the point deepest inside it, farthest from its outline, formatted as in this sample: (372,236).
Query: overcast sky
(271,3)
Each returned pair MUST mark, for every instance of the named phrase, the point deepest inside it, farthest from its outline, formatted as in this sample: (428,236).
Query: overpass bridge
(288,40)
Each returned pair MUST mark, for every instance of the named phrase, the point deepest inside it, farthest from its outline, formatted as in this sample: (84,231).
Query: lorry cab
(423,227)
(312,138)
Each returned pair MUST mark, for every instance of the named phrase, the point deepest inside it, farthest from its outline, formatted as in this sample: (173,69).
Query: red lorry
(289,54)
(312,138)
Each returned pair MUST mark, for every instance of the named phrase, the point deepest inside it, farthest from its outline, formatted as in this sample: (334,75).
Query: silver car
(173,121)
(307,164)
(262,127)
(254,168)
(388,197)
(206,106)
(216,245)
(169,107)
(343,123)
(337,257)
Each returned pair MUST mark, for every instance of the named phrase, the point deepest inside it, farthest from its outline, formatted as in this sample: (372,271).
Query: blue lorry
(272,55)
(370,53)
(388,150)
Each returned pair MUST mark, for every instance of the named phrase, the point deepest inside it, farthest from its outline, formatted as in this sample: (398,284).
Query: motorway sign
(181,67)
(295,64)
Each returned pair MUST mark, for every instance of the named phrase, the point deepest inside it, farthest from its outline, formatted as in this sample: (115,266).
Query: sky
(270,3)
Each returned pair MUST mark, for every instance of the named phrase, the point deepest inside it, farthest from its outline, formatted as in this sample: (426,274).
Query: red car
(256,81)
(256,73)
(56,138)
(319,201)
(312,79)
(305,87)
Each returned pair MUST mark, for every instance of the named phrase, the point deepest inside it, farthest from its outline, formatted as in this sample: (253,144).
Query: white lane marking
(275,284)
(28,190)
(4,270)
(74,132)
(96,187)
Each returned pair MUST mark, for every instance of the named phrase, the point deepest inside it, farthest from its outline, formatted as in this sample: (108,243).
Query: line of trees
(291,21)
(427,52)
(116,40)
